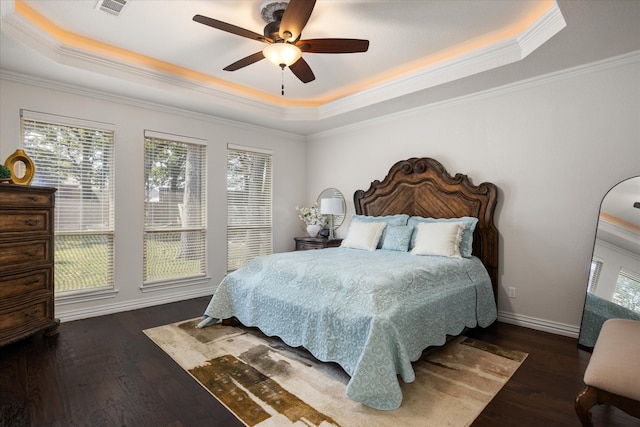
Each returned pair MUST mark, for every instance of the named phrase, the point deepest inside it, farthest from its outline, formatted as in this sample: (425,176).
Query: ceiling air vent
(113,7)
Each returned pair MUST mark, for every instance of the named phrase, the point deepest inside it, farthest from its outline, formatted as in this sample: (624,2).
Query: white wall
(553,146)
(131,119)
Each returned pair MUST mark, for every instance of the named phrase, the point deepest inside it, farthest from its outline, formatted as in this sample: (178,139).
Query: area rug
(264,382)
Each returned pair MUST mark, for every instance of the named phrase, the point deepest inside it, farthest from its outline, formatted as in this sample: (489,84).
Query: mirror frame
(602,309)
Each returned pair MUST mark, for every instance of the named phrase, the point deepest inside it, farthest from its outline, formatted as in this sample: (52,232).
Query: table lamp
(331,207)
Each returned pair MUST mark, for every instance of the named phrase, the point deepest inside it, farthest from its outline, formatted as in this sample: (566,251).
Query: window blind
(174,208)
(249,205)
(627,291)
(594,275)
(76,157)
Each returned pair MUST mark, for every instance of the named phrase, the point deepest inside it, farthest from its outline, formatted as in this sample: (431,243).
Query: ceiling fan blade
(229,28)
(302,70)
(244,62)
(295,18)
(333,45)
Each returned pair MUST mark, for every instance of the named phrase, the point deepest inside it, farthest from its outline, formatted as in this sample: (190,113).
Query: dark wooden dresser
(307,243)
(26,262)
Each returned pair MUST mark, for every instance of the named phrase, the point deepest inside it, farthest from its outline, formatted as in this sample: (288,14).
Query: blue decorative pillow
(397,238)
(399,219)
(466,244)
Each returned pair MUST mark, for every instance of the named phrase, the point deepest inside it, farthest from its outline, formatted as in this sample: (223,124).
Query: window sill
(177,283)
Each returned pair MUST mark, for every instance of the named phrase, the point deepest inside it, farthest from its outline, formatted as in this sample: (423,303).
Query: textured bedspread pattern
(372,312)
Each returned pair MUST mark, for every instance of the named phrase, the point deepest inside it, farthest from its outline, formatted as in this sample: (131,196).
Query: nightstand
(306,243)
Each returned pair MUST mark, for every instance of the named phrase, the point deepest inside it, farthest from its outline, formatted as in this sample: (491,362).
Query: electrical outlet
(512,292)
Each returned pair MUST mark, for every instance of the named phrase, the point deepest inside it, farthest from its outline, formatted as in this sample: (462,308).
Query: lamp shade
(282,53)
(331,206)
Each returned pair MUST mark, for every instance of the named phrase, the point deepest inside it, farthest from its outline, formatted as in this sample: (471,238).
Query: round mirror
(334,203)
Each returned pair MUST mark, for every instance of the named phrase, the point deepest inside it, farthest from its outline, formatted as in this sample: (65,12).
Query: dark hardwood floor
(105,372)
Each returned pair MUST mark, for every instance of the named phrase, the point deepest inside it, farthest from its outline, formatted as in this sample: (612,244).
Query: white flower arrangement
(311,216)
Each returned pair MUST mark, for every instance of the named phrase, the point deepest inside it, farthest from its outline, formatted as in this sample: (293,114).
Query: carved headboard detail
(422,187)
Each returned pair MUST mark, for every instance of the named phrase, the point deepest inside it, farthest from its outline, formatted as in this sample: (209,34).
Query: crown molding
(23,30)
(134,102)
(622,60)
(608,230)
(593,67)
(544,28)
(615,248)
(493,56)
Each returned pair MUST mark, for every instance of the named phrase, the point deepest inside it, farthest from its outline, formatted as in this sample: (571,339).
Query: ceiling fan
(285,22)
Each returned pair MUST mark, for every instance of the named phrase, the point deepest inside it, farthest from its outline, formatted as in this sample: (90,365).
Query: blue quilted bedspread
(371,312)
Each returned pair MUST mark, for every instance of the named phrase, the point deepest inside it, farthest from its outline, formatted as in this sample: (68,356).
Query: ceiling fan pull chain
(282,68)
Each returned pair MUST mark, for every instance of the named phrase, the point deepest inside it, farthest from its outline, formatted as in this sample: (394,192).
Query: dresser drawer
(17,320)
(25,283)
(24,196)
(27,197)
(25,221)
(19,254)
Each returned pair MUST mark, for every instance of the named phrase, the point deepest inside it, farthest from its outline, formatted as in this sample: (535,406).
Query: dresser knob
(32,222)
(31,282)
(33,313)
(31,253)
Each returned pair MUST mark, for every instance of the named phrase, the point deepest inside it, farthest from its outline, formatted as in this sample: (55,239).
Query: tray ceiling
(414,45)
(421,52)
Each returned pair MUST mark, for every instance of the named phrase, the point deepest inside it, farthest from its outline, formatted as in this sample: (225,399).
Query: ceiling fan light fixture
(282,54)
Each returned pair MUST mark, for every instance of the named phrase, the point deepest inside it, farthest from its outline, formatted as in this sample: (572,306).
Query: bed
(374,311)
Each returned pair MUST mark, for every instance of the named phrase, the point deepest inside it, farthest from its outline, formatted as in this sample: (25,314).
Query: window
(248,205)
(594,275)
(175,209)
(76,157)
(627,292)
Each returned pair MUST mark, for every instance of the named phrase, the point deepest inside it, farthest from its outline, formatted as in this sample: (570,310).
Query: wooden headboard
(422,187)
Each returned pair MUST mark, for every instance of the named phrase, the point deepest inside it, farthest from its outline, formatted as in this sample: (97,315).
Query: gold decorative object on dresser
(26,262)
(307,243)
(21,166)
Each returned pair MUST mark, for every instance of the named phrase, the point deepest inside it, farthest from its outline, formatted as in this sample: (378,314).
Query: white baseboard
(539,324)
(85,313)
(66,315)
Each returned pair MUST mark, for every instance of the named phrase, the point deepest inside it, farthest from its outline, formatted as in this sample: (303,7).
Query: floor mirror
(613,290)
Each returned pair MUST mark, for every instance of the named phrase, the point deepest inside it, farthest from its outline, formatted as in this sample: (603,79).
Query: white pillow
(438,238)
(364,235)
